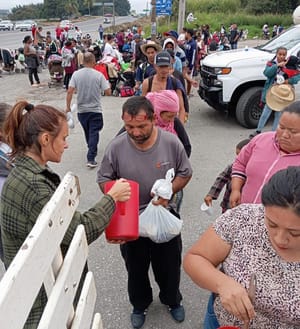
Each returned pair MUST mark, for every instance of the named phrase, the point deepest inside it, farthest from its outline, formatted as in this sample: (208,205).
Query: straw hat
(151,44)
(280,96)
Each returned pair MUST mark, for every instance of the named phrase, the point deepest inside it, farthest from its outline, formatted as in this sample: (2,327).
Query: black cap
(163,59)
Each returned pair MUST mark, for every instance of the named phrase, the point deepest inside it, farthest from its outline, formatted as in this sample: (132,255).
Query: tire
(248,110)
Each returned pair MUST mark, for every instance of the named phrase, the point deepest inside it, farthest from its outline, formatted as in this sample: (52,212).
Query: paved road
(13,39)
(213,139)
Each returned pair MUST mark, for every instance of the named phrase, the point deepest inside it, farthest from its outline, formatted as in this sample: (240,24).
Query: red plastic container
(124,224)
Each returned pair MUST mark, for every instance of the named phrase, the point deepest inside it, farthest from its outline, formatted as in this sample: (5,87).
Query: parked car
(24,25)
(106,20)
(6,25)
(232,81)
(66,23)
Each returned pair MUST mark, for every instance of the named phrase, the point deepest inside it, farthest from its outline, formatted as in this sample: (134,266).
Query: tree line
(64,9)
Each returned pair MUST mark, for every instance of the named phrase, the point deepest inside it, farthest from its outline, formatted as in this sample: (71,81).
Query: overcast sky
(138,5)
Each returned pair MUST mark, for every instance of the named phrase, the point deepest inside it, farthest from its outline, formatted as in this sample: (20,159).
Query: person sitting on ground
(224,178)
(250,260)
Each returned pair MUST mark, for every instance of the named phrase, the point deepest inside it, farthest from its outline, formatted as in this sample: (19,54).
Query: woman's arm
(200,263)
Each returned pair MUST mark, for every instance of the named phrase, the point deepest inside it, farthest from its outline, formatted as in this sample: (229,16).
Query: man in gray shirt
(144,153)
(89,83)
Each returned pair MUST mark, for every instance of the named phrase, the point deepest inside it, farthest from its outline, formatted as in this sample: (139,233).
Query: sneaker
(92,164)
(254,134)
(177,312)
(137,318)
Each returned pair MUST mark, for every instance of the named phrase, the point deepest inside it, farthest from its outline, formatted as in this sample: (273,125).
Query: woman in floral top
(253,240)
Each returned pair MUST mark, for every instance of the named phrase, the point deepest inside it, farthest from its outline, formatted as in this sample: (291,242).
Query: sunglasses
(138,117)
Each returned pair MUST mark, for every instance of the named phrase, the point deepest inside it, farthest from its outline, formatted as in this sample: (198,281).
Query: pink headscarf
(162,101)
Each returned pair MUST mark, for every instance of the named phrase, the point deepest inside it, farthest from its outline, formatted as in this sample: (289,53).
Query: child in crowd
(224,178)
(279,66)
(5,165)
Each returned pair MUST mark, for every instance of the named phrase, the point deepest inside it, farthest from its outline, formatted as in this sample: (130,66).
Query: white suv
(6,25)
(232,81)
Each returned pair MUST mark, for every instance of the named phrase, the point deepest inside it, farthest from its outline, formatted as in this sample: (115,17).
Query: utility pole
(114,17)
(181,15)
(153,20)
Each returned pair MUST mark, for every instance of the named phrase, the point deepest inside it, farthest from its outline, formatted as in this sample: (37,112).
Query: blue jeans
(91,123)
(210,320)
(266,113)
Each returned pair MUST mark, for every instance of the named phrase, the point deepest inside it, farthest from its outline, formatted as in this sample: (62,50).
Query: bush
(209,6)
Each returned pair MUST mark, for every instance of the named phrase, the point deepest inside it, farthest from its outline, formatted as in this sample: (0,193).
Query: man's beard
(142,138)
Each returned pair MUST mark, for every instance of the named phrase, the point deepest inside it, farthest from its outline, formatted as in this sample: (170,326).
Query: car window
(288,39)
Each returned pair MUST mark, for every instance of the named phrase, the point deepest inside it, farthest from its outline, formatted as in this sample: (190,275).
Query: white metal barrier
(39,261)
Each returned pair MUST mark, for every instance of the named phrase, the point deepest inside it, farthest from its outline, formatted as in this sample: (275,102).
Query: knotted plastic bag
(163,187)
(157,222)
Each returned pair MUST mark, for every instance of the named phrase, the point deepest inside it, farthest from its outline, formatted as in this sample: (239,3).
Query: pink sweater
(257,162)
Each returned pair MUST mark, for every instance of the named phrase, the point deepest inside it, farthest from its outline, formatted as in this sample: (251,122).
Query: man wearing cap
(163,80)
(146,69)
(144,148)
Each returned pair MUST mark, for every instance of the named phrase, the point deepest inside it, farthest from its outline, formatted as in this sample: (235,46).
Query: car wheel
(248,110)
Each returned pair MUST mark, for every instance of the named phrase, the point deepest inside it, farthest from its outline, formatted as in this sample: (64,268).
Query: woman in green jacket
(36,135)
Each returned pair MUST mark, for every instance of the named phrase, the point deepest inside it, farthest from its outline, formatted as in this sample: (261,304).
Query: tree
(88,4)
(122,7)
(71,7)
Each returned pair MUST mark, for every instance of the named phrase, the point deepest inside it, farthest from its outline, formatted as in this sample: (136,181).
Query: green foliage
(259,7)
(208,6)
(67,9)
(27,12)
(253,23)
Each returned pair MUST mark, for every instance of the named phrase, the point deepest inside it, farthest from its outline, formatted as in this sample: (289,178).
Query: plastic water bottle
(246,48)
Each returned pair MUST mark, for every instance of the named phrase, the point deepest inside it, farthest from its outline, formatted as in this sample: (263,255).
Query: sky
(138,5)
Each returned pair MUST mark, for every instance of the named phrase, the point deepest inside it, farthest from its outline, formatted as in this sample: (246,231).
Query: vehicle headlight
(222,70)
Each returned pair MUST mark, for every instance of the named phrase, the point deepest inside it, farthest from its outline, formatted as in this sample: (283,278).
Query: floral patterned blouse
(277,297)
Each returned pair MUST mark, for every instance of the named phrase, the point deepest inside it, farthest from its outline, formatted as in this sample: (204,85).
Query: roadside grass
(253,23)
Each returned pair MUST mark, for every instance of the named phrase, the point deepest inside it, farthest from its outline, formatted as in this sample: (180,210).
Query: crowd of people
(249,258)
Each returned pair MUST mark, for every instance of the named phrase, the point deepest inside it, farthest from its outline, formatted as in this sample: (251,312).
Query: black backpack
(174,87)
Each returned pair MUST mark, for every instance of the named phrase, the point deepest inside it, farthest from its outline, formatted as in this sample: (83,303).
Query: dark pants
(165,259)
(91,123)
(32,72)
(67,79)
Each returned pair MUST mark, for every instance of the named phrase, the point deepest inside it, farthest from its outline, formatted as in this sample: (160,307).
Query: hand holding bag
(157,222)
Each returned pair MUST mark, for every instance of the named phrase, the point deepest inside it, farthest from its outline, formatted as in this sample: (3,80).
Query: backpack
(174,87)
(126,91)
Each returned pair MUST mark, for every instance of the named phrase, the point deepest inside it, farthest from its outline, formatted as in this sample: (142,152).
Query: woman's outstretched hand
(121,190)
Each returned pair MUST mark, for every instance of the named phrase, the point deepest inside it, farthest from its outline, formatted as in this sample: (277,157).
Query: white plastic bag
(158,224)
(70,120)
(163,187)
